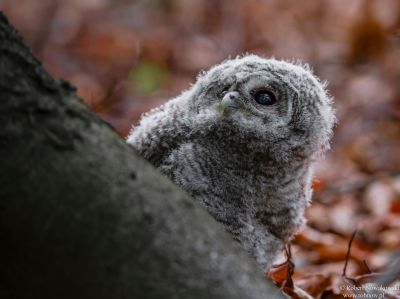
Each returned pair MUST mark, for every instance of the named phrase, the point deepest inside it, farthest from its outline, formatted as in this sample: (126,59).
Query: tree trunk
(83,216)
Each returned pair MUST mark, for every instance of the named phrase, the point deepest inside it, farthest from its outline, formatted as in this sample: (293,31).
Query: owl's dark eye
(224,91)
(264,97)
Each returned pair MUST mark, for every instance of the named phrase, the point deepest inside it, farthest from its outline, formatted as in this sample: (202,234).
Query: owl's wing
(160,131)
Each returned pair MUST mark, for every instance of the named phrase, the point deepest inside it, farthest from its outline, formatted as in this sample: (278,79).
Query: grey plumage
(242,141)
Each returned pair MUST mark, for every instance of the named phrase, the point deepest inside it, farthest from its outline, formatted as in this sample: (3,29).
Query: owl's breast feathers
(234,186)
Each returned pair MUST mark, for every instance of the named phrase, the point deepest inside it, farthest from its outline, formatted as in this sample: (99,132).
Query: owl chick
(242,141)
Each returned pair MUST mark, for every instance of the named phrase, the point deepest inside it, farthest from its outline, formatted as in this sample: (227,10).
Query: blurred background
(127,56)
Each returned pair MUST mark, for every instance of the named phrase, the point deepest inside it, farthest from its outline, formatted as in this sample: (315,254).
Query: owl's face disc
(254,99)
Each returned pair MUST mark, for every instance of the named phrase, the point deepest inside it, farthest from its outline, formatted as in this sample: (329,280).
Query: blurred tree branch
(83,216)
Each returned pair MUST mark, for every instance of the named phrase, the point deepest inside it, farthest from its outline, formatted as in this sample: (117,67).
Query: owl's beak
(229,102)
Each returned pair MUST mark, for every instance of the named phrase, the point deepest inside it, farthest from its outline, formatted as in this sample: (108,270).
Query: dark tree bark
(83,216)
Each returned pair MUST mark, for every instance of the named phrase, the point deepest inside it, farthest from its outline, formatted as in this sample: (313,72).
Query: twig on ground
(348,253)
(367,267)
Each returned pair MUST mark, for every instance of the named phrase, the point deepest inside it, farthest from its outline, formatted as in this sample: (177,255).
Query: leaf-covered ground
(128,56)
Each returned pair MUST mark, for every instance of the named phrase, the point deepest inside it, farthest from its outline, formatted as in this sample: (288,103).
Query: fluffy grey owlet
(242,141)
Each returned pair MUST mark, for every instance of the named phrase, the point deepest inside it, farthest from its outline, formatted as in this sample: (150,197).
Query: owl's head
(268,105)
